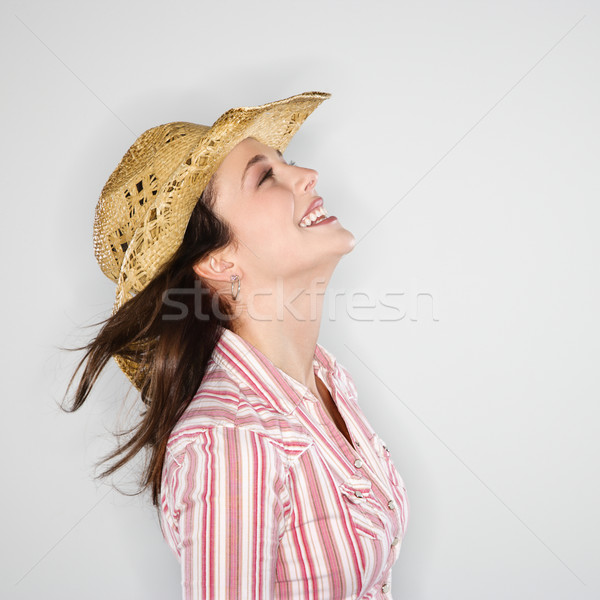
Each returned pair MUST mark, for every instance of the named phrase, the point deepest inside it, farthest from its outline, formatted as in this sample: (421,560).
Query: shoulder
(225,401)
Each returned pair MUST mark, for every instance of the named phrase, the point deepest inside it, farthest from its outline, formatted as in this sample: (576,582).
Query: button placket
(315,418)
(394,492)
(347,449)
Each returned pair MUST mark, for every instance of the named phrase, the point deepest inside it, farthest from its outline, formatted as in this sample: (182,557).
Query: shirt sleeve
(228,510)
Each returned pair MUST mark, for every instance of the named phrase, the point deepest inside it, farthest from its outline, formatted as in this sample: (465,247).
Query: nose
(307,180)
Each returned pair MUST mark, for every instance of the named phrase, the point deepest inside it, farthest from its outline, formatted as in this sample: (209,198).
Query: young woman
(270,482)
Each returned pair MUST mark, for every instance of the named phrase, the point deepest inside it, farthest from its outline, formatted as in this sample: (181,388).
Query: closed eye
(266,176)
(269,173)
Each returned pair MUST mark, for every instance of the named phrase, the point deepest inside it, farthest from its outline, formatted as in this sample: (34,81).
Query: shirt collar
(248,364)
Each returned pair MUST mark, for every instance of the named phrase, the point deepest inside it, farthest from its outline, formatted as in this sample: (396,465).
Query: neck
(284,325)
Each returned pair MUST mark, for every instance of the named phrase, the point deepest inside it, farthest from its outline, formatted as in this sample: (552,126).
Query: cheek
(268,229)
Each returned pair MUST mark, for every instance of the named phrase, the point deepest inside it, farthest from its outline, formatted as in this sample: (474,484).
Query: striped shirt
(262,495)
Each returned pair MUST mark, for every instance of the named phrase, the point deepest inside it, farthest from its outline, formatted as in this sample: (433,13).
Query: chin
(350,241)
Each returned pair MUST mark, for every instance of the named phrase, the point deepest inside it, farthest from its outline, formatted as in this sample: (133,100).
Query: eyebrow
(255,159)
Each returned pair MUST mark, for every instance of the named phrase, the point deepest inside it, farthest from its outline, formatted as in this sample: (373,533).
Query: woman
(269,480)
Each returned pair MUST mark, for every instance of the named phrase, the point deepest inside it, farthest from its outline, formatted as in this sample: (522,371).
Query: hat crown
(133,187)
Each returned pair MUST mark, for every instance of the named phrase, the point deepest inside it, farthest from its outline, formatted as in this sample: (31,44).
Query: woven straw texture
(145,205)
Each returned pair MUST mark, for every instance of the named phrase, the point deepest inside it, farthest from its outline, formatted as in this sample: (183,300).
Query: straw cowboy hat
(145,205)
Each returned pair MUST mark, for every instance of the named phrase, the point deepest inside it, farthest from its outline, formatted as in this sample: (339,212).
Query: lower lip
(323,222)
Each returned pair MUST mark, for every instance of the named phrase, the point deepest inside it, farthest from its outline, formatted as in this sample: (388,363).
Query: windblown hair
(181,345)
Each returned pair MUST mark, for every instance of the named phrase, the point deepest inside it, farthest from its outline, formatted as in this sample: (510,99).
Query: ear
(214,267)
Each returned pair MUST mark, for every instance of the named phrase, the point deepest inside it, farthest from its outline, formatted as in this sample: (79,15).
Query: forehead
(245,150)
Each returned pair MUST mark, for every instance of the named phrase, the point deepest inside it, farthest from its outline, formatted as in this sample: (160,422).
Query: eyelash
(269,173)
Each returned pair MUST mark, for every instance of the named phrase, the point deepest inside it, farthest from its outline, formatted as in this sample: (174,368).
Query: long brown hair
(180,345)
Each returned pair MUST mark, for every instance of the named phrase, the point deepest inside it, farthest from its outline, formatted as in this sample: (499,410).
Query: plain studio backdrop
(461,147)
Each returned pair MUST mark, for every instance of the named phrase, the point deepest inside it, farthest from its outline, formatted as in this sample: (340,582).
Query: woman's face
(264,199)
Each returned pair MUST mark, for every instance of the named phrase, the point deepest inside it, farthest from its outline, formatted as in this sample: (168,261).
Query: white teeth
(309,219)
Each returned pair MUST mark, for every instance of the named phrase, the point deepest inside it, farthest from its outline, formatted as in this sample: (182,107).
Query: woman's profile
(268,479)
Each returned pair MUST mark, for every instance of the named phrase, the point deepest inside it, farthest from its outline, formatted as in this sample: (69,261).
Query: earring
(235,278)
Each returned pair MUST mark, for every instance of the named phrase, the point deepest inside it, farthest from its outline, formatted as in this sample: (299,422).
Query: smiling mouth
(316,216)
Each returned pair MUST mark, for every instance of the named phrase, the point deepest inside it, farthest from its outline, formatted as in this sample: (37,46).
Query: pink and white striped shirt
(263,497)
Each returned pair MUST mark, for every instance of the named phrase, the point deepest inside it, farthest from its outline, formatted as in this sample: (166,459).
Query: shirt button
(358,463)
(385,588)
(395,541)
(359,494)
(391,505)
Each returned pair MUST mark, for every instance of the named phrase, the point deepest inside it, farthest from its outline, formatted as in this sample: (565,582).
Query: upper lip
(318,201)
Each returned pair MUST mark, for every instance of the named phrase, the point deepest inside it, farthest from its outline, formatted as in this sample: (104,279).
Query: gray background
(460,146)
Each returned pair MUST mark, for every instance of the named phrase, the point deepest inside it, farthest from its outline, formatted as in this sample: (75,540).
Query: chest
(339,522)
